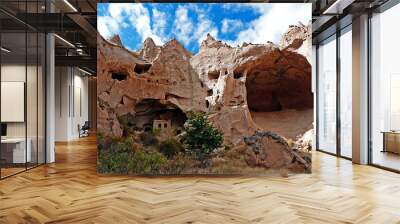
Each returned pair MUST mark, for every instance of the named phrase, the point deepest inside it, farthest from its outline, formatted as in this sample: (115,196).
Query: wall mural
(174,99)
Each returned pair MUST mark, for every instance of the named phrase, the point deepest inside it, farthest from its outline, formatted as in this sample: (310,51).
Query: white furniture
(18,149)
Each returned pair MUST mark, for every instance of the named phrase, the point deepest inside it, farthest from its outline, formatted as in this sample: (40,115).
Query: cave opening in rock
(148,127)
(213,75)
(237,75)
(263,94)
(142,68)
(120,76)
(279,95)
(271,89)
(151,114)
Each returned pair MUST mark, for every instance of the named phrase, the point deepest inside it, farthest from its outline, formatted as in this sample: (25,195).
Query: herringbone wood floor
(70,191)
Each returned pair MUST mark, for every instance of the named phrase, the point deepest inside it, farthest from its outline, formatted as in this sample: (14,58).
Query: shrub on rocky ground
(230,161)
(156,131)
(146,163)
(110,162)
(123,155)
(148,138)
(100,141)
(121,145)
(181,164)
(132,163)
(170,148)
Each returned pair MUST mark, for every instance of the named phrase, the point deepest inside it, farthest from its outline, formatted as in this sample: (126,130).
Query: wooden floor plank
(70,191)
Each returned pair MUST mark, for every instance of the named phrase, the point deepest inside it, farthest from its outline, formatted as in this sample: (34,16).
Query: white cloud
(183,25)
(273,22)
(191,23)
(233,7)
(138,17)
(188,31)
(159,21)
(107,26)
(115,11)
(204,27)
(230,25)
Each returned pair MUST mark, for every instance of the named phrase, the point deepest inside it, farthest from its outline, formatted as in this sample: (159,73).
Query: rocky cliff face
(126,79)
(298,39)
(226,82)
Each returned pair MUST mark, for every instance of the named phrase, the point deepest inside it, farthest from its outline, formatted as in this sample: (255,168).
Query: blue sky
(189,23)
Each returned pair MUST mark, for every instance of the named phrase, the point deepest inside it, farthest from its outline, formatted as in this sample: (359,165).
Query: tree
(201,138)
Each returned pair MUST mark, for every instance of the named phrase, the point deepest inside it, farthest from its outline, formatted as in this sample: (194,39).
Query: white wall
(12,73)
(61,103)
(16,73)
(71,93)
(80,110)
(33,127)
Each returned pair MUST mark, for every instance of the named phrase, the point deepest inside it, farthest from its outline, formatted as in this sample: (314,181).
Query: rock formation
(125,79)
(116,40)
(298,39)
(228,83)
(270,150)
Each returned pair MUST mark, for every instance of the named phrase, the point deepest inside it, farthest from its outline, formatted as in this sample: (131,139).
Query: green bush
(114,162)
(135,163)
(122,156)
(156,131)
(170,148)
(120,145)
(148,138)
(201,138)
(114,144)
(100,141)
(147,163)
(116,154)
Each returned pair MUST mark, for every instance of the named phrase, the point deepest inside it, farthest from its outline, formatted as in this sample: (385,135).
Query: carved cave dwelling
(253,92)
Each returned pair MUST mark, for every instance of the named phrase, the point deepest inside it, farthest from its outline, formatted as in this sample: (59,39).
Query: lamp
(337,7)
(64,40)
(5,50)
(70,5)
(84,71)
